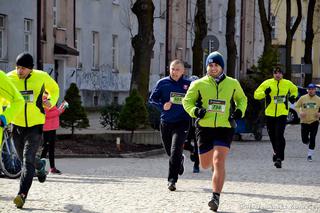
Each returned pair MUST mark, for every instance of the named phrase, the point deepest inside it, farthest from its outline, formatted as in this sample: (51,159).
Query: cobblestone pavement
(123,185)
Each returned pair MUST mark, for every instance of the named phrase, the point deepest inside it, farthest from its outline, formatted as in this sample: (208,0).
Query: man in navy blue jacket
(167,97)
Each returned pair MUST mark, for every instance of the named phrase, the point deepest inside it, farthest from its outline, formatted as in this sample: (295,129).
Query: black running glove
(200,112)
(267,91)
(237,114)
(292,99)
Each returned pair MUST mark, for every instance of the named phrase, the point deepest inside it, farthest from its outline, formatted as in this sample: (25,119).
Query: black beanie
(25,60)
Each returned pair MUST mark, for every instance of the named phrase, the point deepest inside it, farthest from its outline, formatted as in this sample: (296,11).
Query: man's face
(311,91)
(23,72)
(176,71)
(214,70)
(277,75)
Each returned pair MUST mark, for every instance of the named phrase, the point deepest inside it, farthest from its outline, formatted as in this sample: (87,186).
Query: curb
(125,155)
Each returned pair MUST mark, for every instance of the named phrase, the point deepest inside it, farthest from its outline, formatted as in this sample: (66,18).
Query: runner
(27,126)
(167,96)
(221,101)
(277,93)
(308,107)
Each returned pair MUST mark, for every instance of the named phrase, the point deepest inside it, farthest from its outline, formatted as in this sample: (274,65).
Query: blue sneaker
(42,173)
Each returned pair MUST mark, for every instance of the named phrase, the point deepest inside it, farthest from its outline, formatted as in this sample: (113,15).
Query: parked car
(293,116)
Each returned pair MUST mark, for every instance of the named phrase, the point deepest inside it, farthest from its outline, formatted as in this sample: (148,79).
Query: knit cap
(25,60)
(215,57)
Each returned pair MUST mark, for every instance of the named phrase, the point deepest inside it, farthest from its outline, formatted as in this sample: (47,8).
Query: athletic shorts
(208,138)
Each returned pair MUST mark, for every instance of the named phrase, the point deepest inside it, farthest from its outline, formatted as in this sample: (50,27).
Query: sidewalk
(137,185)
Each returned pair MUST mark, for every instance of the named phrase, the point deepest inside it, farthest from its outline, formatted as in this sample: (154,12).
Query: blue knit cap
(215,57)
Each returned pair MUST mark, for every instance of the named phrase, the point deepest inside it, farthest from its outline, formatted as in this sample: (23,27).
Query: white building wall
(16,11)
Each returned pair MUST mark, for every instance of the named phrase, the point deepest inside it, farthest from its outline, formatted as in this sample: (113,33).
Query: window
(28,35)
(220,17)
(3,37)
(55,12)
(273,26)
(115,53)
(95,50)
(95,100)
(78,47)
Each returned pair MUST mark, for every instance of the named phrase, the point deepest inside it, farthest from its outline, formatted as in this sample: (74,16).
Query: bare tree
(309,40)
(230,42)
(266,27)
(142,44)
(200,31)
(290,33)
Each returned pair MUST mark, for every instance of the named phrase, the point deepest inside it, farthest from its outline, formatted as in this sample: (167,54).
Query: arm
(155,97)
(52,88)
(259,93)
(10,93)
(190,98)
(240,99)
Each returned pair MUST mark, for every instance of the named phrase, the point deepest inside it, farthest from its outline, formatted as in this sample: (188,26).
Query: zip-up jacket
(9,96)
(277,102)
(167,90)
(219,99)
(32,89)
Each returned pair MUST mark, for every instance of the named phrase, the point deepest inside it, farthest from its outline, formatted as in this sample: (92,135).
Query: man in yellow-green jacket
(277,92)
(11,97)
(216,100)
(27,126)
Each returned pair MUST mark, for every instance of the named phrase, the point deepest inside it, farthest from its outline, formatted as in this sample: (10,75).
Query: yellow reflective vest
(217,99)
(32,89)
(277,102)
(9,96)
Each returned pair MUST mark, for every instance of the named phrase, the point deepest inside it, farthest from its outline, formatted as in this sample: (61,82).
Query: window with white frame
(28,35)
(273,26)
(3,32)
(115,52)
(95,50)
(78,47)
(220,17)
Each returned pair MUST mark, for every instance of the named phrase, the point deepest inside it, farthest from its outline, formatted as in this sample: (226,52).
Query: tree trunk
(230,42)
(266,27)
(290,33)
(200,33)
(142,44)
(309,41)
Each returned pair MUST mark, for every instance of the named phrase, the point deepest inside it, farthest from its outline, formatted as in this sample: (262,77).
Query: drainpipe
(38,39)
(167,36)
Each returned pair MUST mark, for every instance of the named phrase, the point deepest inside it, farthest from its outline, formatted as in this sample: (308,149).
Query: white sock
(310,152)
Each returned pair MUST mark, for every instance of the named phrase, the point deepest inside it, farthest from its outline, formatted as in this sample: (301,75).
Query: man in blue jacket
(167,97)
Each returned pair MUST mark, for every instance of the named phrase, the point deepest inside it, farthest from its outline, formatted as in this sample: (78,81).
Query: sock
(215,194)
(310,152)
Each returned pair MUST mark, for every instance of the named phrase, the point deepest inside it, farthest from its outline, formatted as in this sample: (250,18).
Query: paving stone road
(124,185)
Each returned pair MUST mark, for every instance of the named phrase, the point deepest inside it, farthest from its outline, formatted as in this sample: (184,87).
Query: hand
(200,112)
(303,114)
(167,106)
(237,114)
(46,103)
(292,99)
(267,91)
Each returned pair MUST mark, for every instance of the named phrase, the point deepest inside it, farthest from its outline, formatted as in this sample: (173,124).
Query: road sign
(210,43)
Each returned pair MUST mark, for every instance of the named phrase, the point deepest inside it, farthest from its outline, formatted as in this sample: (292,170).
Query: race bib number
(279,99)
(28,96)
(216,105)
(176,98)
(310,106)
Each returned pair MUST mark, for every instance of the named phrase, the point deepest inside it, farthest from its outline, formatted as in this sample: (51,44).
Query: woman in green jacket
(215,100)
(277,93)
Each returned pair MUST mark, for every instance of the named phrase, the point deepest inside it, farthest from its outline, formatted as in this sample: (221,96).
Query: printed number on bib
(310,106)
(215,105)
(176,98)
(28,96)
(279,99)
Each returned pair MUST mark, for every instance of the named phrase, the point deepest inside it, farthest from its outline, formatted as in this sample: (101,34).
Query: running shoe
(172,186)
(181,170)
(277,163)
(214,202)
(19,200)
(55,171)
(42,173)
(309,158)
